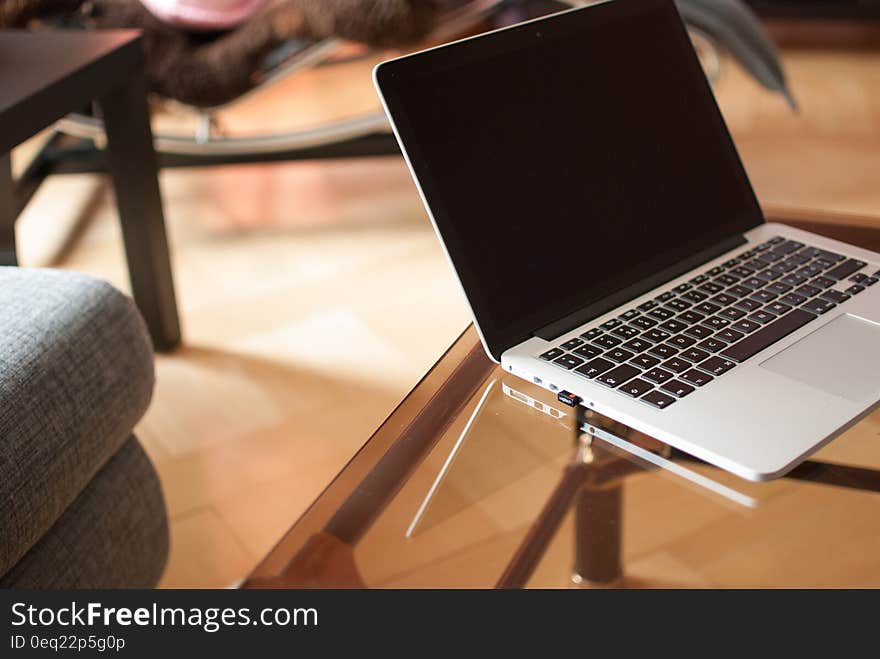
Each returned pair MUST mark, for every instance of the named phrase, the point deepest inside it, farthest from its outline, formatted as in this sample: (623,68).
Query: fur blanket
(210,69)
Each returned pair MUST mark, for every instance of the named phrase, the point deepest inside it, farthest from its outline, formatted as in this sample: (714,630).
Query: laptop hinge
(586,314)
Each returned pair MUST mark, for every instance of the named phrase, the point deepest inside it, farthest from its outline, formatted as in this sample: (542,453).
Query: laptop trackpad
(840,358)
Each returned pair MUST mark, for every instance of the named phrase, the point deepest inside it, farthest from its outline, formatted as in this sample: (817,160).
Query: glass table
(479,479)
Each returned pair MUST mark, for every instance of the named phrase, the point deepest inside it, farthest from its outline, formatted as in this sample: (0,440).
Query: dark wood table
(46,75)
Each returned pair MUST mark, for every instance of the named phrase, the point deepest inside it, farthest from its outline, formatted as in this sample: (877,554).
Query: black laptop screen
(566,159)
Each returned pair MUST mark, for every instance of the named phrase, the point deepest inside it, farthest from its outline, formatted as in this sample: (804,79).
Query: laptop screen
(567,159)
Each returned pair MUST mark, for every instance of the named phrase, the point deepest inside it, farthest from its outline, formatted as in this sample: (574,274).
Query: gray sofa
(80,503)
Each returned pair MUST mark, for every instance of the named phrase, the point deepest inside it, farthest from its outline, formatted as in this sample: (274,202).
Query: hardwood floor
(314,295)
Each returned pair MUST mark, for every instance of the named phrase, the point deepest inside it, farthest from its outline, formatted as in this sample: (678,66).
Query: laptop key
(618,355)
(571,344)
(658,399)
(711,345)
(568,361)
(834,296)
(748,305)
(695,296)
(694,355)
(716,365)
(661,313)
(625,332)
(723,299)
(855,289)
(823,282)
(676,365)
(677,388)
(636,387)
(768,335)
(870,281)
(738,291)
(696,377)
(681,341)
(753,282)
(668,295)
(810,270)
(595,367)
(699,279)
(745,325)
(699,331)
(655,335)
(726,280)
(657,375)
(793,299)
(768,275)
(681,288)
(762,317)
(673,326)
(778,288)
(611,324)
(636,345)
(663,351)
(617,376)
(588,351)
(591,334)
(763,296)
(818,306)
(741,271)
(732,313)
(712,287)
(777,308)
(644,322)
(729,335)
(647,306)
(707,308)
(628,315)
(788,247)
(607,341)
(858,278)
(716,322)
(807,290)
(845,269)
(690,316)
(644,361)
(678,304)
(794,279)
(552,354)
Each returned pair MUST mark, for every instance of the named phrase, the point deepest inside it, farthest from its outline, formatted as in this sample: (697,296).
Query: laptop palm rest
(841,358)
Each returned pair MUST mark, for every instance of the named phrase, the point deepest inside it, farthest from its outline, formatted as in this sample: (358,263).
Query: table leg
(132,165)
(598,534)
(7,212)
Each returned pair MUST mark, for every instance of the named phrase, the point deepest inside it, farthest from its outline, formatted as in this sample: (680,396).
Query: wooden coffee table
(46,75)
(479,479)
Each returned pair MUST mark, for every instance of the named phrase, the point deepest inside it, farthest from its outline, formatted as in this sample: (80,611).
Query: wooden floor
(315,294)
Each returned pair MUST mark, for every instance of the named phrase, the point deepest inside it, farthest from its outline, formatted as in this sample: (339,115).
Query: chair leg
(8,212)
(132,165)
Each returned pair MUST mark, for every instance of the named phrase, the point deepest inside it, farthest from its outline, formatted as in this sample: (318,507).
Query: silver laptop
(595,210)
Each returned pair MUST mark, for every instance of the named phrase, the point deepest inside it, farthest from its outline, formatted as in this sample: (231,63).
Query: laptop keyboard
(663,349)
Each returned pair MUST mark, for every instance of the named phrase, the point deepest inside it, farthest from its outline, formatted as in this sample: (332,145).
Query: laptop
(594,208)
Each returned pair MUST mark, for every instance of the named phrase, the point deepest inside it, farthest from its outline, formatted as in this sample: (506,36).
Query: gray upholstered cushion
(76,374)
(114,534)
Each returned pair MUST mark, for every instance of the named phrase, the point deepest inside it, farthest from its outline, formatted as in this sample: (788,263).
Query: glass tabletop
(480,479)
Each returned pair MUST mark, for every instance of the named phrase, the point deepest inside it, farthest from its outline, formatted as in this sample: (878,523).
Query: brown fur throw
(211,69)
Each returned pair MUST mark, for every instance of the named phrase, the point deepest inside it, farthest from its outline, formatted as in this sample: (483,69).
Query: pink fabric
(203,14)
